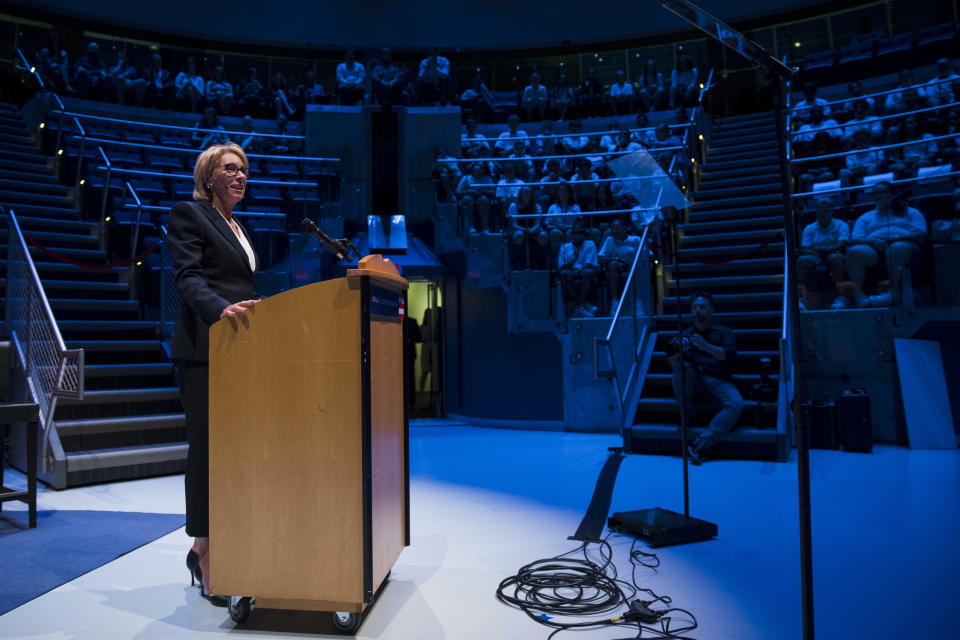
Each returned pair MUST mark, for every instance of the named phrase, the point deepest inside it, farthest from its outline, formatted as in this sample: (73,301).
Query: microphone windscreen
(308,225)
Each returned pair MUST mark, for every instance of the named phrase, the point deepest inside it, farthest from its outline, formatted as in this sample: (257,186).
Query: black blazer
(211,271)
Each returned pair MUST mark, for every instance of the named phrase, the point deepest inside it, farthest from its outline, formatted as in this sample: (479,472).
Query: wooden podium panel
(308,468)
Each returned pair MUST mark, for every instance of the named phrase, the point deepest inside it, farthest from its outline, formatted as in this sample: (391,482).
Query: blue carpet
(68,544)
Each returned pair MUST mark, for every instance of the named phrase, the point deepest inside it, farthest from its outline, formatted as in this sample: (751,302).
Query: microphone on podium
(335,247)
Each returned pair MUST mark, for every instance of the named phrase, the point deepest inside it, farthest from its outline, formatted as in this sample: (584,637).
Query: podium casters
(239,608)
(346,622)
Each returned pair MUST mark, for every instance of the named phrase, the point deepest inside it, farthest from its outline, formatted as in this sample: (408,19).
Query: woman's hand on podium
(237,308)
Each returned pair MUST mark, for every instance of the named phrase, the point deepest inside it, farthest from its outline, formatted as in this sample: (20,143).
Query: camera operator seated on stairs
(707,351)
(893,230)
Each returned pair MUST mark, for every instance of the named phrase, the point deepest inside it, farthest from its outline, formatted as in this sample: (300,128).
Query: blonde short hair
(207,162)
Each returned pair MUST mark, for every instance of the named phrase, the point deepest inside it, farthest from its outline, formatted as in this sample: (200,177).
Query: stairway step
(728,300)
(45,177)
(79,461)
(69,328)
(742,442)
(15,198)
(14,136)
(753,266)
(769,199)
(769,223)
(716,192)
(34,186)
(84,427)
(740,136)
(67,212)
(62,240)
(30,165)
(765,145)
(771,280)
(72,272)
(113,288)
(130,369)
(719,253)
(713,238)
(732,319)
(20,154)
(81,255)
(756,116)
(666,379)
(35,224)
(745,181)
(752,336)
(720,211)
(113,396)
(670,405)
(115,345)
(86,304)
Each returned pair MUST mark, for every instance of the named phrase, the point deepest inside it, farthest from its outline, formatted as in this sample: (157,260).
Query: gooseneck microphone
(335,247)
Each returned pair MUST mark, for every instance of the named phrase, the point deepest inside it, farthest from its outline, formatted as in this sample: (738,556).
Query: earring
(209,186)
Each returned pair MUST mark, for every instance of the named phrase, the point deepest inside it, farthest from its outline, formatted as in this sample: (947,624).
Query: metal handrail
(786,382)
(572,134)
(881,93)
(106,191)
(188,177)
(158,125)
(136,227)
(242,214)
(864,187)
(83,144)
(577,214)
(169,298)
(888,116)
(564,156)
(52,371)
(894,145)
(30,69)
(256,156)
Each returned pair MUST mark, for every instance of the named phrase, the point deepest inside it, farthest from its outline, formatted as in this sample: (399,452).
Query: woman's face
(229,189)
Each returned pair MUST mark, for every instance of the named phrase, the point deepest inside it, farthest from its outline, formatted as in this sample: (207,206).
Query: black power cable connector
(640,612)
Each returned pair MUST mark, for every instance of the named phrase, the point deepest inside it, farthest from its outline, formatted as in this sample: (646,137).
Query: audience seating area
(901,140)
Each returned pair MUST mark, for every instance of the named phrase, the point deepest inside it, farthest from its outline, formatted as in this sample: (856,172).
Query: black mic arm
(335,247)
(349,245)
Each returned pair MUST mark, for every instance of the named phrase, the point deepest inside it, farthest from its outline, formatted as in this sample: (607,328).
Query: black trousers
(194,381)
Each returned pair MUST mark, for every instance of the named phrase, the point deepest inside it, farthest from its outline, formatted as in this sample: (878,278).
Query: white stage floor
(484,502)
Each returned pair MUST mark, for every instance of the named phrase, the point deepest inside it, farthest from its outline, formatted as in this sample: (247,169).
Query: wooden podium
(309,493)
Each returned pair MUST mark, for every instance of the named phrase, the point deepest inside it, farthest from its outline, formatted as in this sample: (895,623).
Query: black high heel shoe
(193,566)
(217,601)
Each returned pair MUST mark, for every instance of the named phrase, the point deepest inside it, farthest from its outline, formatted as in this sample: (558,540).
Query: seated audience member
(560,219)
(388,84)
(350,79)
(684,83)
(522,160)
(892,230)
(575,142)
(190,85)
(529,246)
(508,187)
(549,182)
(621,95)
(445,175)
(311,91)
(651,91)
(584,181)
(701,361)
(578,266)
(562,97)
(284,140)
(801,110)
(506,140)
(603,199)
(250,142)
(816,123)
(617,255)
(534,99)
(855,93)
(473,144)
(823,243)
(624,144)
(208,131)
(823,169)
(546,143)
(642,134)
(53,64)
(921,152)
(128,80)
(862,120)
(661,145)
(475,191)
(940,89)
(219,92)
(591,95)
(433,79)
(160,89)
(282,101)
(251,100)
(90,76)
(907,97)
(477,99)
(865,162)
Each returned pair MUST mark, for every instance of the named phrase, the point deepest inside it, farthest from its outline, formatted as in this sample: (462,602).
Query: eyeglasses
(231,169)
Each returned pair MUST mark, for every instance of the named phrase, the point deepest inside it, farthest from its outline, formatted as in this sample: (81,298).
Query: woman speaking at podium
(214,266)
